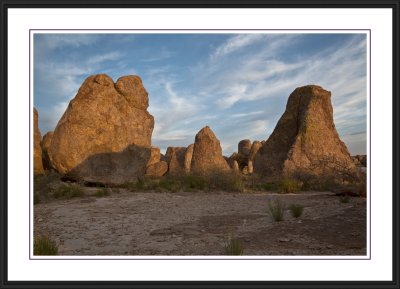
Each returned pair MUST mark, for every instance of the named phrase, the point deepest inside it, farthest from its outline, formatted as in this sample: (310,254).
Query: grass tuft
(233,247)
(276,210)
(296,210)
(45,246)
(68,191)
(289,186)
(102,192)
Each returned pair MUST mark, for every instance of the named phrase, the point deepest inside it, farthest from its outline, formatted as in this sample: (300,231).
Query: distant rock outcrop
(37,149)
(105,133)
(176,160)
(188,158)
(360,160)
(305,137)
(46,141)
(207,154)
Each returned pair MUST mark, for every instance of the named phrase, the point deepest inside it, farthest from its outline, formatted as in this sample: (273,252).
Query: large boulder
(37,149)
(105,134)
(254,149)
(304,139)
(46,141)
(176,160)
(244,147)
(157,169)
(207,154)
(188,158)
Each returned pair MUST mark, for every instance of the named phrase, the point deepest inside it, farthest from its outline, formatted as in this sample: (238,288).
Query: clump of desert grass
(276,210)
(296,210)
(233,247)
(44,245)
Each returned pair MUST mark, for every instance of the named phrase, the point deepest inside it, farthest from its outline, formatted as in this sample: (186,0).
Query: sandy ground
(199,223)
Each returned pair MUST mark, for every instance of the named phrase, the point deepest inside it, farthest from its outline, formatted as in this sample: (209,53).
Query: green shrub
(296,210)
(68,191)
(289,186)
(102,192)
(344,199)
(276,210)
(44,246)
(193,183)
(233,247)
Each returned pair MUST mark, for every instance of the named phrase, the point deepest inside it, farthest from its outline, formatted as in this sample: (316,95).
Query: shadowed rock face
(207,153)
(46,141)
(176,160)
(104,119)
(304,136)
(37,149)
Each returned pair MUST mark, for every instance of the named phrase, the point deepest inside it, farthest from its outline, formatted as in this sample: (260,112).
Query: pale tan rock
(235,166)
(188,158)
(254,149)
(37,149)
(157,169)
(304,137)
(176,160)
(250,168)
(207,154)
(244,147)
(155,156)
(102,121)
(46,141)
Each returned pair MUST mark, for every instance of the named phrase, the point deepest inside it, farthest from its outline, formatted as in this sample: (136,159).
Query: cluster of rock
(105,134)
(243,160)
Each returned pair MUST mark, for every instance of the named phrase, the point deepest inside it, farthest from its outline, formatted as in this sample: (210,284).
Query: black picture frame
(5,160)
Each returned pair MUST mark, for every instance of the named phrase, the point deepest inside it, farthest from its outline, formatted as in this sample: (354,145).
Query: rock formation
(305,137)
(46,141)
(105,133)
(254,149)
(176,160)
(157,169)
(37,149)
(188,158)
(207,154)
(360,160)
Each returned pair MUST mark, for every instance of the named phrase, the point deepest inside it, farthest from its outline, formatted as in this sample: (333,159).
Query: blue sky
(238,84)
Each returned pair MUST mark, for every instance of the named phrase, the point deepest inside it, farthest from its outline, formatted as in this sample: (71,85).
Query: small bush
(193,183)
(102,192)
(276,210)
(296,210)
(68,191)
(233,247)
(225,181)
(344,199)
(289,186)
(45,246)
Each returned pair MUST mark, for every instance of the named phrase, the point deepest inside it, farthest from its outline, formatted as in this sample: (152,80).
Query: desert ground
(200,223)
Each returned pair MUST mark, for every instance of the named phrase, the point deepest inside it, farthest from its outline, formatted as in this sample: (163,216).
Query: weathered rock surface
(37,149)
(188,158)
(105,133)
(244,147)
(254,149)
(46,141)
(176,160)
(155,156)
(305,137)
(207,154)
(157,169)
(360,160)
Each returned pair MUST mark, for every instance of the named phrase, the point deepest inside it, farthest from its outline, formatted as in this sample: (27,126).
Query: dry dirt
(199,223)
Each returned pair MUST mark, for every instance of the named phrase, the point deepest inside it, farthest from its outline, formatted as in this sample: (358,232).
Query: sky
(238,84)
